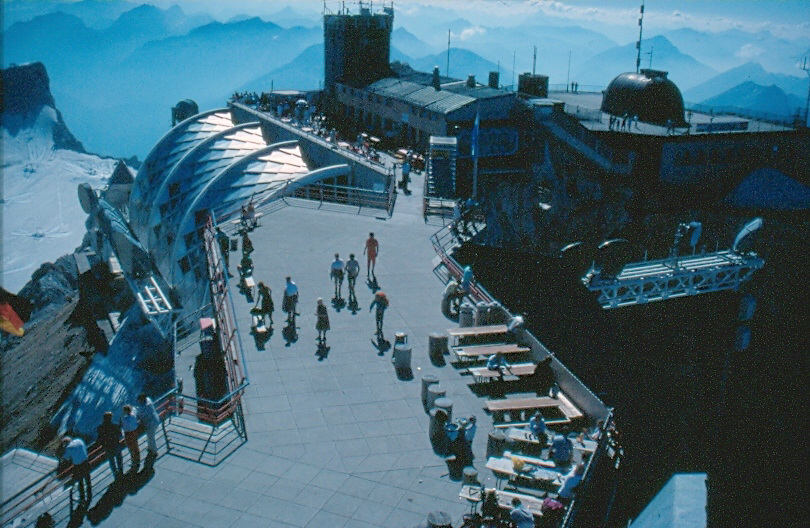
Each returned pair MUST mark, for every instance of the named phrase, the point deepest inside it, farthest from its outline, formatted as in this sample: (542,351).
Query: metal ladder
(152,299)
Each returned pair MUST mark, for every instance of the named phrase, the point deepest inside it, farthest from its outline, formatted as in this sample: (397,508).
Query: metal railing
(22,502)
(352,196)
(446,239)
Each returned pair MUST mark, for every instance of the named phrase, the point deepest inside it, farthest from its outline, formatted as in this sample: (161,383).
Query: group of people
(144,416)
(622,123)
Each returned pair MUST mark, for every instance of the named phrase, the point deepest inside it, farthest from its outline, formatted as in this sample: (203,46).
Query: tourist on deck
(110,437)
(150,419)
(467,280)
(322,323)
(75,452)
(244,218)
(538,427)
(520,515)
(224,248)
(251,215)
(498,362)
(381,302)
(336,272)
(129,423)
(372,249)
(265,301)
(596,433)
(543,376)
(247,245)
(352,270)
(562,449)
(290,299)
(571,481)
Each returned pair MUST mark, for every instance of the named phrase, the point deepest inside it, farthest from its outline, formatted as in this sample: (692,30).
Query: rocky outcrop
(26,89)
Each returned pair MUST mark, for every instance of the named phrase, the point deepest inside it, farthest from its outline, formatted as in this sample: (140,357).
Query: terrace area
(337,436)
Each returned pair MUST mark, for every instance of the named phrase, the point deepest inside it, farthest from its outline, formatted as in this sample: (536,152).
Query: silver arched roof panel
(261,177)
(164,155)
(198,166)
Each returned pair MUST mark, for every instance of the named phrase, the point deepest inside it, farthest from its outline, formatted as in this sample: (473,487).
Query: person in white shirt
(290,299)
(571,481)
(352,270)
(75,452)
(336,272)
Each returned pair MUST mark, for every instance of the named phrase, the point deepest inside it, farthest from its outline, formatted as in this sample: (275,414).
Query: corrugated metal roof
(441,101)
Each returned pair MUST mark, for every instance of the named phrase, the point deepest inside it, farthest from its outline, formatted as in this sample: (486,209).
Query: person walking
(372,249)
(247,245)
(322,324)
(336,272)
(290,299)
(352,270)
(225,247)
(110,437)
(265,301)
(75,452)
(129,423)
(150,419)
(381,302)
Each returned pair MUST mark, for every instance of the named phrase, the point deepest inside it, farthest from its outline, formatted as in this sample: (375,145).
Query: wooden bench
(483,373)
(568,409)
(504,498)
(478,331)
(477,351)
(537,476)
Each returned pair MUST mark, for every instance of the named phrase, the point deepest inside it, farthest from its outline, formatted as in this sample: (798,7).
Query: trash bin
(481,313)
(496,315)
(495,444)
(446,404)
(466,315)
(427,381)
(402,356)
(434,393)
(470,475)
(452,431)
(437,346)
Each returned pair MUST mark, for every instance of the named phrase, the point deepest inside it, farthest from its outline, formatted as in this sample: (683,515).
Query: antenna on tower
(447,70)
(638,44)
(534,60)
(806,68)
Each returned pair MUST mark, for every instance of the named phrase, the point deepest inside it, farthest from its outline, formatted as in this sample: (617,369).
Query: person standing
(247,245)
(129,423)
(150,419)
(372,249)
(322,323)
(265,301)
(381,302)
(110,437)
(336,272)
(75,452)
(225,248)
(352,270)
(290,299)
(561,449)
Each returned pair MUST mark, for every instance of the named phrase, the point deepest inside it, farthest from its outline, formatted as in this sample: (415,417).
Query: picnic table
(535,475)
(504,498)
(483,373)
(478,331)
(478,351)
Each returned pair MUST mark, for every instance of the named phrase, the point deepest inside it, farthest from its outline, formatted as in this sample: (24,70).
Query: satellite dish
(88,198)
(749,228)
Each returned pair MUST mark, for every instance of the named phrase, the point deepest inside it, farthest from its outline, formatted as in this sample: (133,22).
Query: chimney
(494,79)
(436,84)
(471,80)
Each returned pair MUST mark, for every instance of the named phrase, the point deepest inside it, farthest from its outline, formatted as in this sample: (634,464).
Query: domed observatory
(649,95)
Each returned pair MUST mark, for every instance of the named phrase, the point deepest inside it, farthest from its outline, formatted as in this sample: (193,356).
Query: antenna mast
(447,70)
(534,60)
(806,68)
(638,44)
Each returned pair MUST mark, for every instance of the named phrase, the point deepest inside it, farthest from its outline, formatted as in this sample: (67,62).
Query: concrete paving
(337,439)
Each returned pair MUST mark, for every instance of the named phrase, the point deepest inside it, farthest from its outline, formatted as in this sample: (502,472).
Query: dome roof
(649,95)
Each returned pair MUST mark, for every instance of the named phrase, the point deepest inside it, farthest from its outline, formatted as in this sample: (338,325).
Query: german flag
(14,312)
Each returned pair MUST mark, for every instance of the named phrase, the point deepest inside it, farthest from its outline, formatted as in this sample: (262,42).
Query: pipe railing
(25,499)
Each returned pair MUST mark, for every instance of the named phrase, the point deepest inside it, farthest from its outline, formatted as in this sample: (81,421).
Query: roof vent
(471,81)
(436,84)
(494,79)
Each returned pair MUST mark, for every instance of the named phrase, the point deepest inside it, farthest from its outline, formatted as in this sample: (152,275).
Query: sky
(787,18)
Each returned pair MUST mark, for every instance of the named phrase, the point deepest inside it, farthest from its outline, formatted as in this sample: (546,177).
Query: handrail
(477,291)
(356,196)
(51,481)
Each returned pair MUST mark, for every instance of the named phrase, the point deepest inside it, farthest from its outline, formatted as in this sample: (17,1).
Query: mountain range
(758,98)
(748,72)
